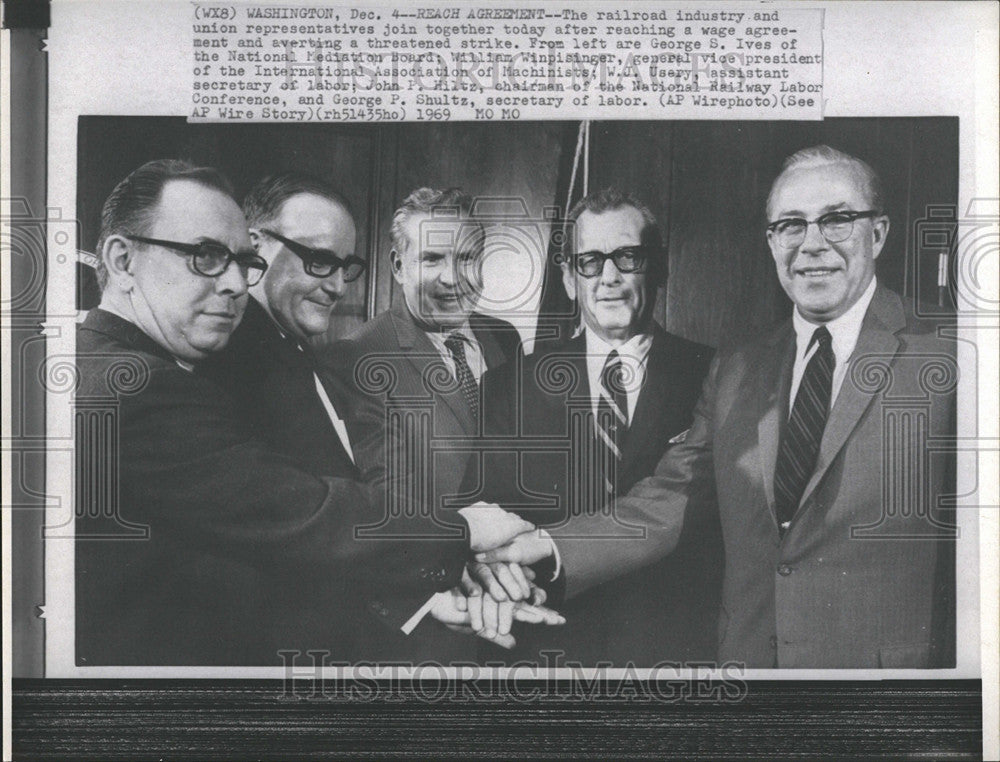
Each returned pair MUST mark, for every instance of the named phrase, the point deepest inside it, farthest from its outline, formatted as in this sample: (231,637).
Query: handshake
(498,585)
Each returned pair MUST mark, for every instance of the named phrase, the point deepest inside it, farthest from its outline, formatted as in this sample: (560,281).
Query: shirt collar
(634,350)
(844,330)
(464,331)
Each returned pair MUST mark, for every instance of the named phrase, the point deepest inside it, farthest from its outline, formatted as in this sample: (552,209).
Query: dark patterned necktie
(804,430)
(470,389)
(612,423)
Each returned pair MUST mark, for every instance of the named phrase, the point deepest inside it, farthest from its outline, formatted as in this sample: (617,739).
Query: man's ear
(255,239)
(880,229)
(118,261)
(569,281)
(396,264)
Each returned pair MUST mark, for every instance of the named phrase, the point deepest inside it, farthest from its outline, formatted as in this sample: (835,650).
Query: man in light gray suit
(813,442)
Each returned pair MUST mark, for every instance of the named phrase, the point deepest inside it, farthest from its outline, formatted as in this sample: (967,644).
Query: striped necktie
(804,430)
(463,373)
(611,424)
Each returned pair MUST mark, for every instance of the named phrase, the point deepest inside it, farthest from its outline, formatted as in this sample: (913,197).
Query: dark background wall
(705,181)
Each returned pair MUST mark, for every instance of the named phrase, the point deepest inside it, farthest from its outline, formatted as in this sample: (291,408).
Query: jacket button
(774,641)
(784,570)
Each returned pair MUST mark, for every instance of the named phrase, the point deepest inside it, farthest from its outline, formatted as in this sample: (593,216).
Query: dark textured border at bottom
(189,719)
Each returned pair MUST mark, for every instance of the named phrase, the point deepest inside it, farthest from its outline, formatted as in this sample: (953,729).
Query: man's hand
(525,549)
(467,609)
(503,581)
(490,526)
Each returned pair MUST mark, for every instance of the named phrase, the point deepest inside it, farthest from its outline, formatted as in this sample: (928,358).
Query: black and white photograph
(647,403)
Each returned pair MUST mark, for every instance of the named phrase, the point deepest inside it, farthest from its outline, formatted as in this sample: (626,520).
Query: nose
(610,274)
(231,281)
(448,275)
(814,241)
(334,284)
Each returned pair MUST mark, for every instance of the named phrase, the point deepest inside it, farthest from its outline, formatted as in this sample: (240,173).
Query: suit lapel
(774,379)
(420,353)
(651,409)
(877,337)
(493,354)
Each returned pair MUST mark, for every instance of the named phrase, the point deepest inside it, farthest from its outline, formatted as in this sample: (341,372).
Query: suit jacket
(197,544)
(272,381)
(864,576)
(406,415)
(668,612)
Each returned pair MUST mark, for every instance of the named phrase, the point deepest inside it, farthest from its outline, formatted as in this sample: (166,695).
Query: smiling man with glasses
(201,538)
(630,392)
(814,443)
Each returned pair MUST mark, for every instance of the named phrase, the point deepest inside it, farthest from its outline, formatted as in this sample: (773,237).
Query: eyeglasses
(628,259)
(322,263)
(210,258)
(835,227)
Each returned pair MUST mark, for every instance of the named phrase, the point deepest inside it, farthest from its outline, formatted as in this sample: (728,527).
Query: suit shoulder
(503,331)
(688,350)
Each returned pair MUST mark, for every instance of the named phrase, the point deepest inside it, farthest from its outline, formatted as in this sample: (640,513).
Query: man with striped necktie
(827,446)
(584,421)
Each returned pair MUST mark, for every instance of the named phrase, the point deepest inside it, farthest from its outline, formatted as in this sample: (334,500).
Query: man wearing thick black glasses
(614,398)
(824,444)
(199,539)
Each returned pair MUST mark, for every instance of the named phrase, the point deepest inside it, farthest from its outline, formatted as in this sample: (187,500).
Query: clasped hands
(498,586)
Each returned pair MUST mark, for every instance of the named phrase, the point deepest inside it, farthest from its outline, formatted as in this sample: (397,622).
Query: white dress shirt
(634,355)
(473,350)
(844,332)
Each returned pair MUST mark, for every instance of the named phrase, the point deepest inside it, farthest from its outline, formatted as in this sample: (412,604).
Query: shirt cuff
(555,554)
(411,624)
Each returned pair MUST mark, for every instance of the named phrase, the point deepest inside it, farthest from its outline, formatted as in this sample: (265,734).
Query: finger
(469,586)
(462,628)
(510,584)
(538,595)
(476,612)
(490,617)
(505,617)
(460,601)
(539,614)
(517,573)
(528,572)
(484,574)
(526,613)
(506,553)
(504,641)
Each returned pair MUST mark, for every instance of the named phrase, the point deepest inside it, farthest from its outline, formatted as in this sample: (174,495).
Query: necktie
(463,373)
(611,424)
(804,430)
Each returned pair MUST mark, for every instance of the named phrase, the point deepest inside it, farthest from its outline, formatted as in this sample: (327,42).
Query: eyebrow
(838,207)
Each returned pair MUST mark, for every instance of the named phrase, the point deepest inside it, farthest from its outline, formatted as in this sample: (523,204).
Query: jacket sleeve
(655,507)
(193,467)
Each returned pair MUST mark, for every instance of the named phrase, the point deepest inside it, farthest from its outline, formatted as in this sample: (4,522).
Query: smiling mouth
(816,272)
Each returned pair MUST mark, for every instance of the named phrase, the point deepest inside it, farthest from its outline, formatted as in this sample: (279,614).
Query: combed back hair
(426,201)
(263,203)
(130,208)
(607,200)
(823,155)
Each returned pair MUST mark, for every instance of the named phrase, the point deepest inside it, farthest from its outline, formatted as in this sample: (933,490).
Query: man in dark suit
(413,374)
(196,543)
(561,453)
(815,442)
